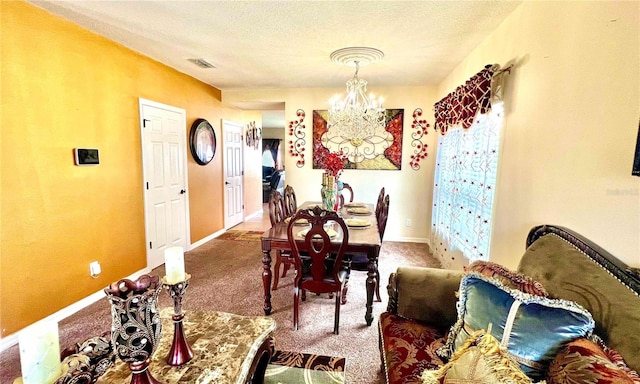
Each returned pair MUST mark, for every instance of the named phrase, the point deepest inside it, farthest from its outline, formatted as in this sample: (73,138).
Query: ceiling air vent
(202,63)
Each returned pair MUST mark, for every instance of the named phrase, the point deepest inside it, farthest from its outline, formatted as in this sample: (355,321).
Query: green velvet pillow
(531,328)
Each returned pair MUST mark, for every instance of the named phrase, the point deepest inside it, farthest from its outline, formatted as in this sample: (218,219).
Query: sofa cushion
(507,277)
(428,295)
(532,328)
(566,272)
(480,360)
(408,348)
(586,361)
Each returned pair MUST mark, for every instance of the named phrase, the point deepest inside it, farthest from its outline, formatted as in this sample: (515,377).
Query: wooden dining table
(361,240)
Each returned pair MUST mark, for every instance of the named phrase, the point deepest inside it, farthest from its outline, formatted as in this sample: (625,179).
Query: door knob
(227,183)
(182,191)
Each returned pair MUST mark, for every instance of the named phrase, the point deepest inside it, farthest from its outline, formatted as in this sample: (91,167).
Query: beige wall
(572,108)
(572,104)
(410,190)
(273,133)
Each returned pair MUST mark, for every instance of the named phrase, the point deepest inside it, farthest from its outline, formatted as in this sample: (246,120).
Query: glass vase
(339,199)
(329,202)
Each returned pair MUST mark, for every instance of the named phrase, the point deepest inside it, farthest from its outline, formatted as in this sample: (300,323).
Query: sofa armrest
(427,295)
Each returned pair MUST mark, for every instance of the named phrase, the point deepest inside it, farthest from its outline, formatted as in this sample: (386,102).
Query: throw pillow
(480,360)
(587,361)
(507,277)
(533,329)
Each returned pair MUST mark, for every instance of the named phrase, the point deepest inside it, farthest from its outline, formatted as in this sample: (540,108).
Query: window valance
(462,105)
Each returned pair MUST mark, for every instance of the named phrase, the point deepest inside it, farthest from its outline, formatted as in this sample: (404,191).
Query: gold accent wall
(65,87)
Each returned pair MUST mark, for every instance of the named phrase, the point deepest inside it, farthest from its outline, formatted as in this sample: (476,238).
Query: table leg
(371,286)
(266,280)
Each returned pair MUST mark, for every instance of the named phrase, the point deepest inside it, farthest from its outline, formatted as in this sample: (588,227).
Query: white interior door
(233,174)
(165,179)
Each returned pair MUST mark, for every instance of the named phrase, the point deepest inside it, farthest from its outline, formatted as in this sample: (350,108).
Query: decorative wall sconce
(420,147)
(296,129)
(253,135)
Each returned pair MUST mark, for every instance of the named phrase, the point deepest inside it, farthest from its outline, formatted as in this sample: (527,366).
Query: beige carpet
(227,276)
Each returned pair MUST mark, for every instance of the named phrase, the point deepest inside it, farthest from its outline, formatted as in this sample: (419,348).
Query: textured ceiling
(286,44)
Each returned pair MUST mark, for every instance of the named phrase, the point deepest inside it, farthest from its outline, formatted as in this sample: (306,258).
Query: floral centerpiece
(333,166)
(334,163)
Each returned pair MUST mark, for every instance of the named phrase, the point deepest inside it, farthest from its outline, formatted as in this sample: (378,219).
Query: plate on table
(355,205)
(357,223)
(298,222)
(332,233)
(359,211)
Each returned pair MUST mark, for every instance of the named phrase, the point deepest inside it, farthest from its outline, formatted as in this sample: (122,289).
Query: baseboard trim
(256,213)
(206,239)
(12,339)
(409,239)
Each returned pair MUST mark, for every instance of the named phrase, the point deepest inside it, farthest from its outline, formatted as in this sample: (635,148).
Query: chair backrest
(348,188)
(276,208)
(290,202)
(382,216)
(316,242)
(379,203)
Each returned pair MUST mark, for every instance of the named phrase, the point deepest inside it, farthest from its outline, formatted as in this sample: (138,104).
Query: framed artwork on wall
(380,150)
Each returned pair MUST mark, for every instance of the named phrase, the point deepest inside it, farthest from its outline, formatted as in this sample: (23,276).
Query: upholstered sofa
(424,304)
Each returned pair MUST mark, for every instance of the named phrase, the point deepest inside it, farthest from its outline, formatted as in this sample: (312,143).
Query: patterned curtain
(272,145)
(462,105)
(466,169)
(465,178)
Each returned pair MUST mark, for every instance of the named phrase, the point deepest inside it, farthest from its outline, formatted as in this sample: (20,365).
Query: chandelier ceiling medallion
(356,122)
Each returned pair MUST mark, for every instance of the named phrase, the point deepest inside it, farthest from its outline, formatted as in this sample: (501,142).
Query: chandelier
(356,122)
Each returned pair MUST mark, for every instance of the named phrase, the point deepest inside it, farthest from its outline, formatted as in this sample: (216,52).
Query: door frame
(187,227)
(224,168)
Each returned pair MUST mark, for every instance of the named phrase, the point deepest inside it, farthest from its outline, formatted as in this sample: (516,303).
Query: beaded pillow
(584,360)
(531,328)
(507,277)
(479,360)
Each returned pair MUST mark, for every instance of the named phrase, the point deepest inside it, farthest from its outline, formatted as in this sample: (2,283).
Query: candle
(40,353)
(174,265)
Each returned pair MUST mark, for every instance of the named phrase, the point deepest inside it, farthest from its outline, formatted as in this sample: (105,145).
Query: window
(464,185)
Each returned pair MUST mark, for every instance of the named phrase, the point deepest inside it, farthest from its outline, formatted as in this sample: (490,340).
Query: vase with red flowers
(331,185)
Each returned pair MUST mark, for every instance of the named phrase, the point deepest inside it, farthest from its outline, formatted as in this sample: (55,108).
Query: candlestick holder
(180,351)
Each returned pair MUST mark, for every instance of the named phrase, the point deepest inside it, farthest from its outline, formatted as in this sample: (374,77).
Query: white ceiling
(286,44)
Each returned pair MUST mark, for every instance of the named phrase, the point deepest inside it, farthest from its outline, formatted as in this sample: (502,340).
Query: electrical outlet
(94,269)
(408,223)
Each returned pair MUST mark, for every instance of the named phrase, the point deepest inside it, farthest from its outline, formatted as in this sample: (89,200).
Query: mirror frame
(202,135)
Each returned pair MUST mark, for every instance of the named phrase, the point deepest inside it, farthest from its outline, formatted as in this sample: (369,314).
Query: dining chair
(290,202)
(319,274)
(277,214)
(341,196)
(380,201)
(360,261)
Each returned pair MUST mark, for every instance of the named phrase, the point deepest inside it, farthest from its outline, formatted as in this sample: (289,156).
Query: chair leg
(336,325)
(285,268)
(276,271)
(296,303)
(378,284)
(345,288)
